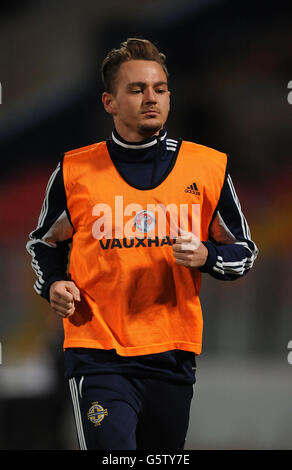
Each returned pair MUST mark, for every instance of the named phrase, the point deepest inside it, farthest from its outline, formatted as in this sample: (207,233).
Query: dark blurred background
(230,63)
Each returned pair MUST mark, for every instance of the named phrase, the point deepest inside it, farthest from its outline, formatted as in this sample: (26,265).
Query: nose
(149,95)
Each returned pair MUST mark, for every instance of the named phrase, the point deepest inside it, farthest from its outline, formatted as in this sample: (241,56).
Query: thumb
(73,289)
(184,233)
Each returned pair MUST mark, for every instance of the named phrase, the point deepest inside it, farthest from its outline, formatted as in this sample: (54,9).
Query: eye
(136,91)
(160,91)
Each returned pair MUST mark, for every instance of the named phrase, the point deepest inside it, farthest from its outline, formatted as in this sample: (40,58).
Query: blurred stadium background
(230,64)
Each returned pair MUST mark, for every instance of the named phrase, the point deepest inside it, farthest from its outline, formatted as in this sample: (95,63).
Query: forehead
(144,71)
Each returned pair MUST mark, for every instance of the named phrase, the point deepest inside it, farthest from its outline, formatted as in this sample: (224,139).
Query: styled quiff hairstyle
(131,49)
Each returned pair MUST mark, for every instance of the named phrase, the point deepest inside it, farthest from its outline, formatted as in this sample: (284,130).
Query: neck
(138,144)
(137,135)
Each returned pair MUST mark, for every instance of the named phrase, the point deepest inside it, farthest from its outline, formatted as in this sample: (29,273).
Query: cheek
(165,107)
(129,107)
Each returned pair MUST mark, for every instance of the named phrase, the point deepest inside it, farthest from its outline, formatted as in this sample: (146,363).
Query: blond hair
(131,49)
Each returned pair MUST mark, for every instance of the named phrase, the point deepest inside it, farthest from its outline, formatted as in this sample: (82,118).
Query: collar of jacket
(143,145)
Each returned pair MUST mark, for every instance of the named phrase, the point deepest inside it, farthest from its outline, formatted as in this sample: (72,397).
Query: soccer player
(127,227)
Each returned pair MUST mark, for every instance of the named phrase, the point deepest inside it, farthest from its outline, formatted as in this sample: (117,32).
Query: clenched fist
(63,295)
(189,251)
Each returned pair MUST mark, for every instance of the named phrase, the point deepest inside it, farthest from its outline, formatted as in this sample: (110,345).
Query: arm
(229,252)
(49,245)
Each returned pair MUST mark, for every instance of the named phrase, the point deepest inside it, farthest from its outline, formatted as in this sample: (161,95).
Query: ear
(108,103)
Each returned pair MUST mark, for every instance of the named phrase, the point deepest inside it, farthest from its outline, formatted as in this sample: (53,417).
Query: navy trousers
(115,412)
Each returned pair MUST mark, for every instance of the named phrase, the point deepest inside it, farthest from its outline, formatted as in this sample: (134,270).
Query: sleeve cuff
(46,288)
(211,258)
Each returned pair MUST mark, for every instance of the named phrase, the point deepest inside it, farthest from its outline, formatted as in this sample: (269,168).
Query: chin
(150,128)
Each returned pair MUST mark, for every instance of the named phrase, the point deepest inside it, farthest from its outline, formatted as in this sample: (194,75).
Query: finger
(62,295)
(74,291)
(183,247)
(60,302)
(69,314)
(64,313)
(63,310)
(184,238)
(183,256)
(183,232)
(60,314)
(182,262)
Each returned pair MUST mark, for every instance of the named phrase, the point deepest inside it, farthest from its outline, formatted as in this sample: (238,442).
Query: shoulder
(85,150)
(199,149)
(211,162)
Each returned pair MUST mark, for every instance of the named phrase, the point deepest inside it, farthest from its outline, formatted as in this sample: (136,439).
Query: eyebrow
(143,84)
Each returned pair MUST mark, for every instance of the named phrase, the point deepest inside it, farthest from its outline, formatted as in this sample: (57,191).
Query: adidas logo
(193,189)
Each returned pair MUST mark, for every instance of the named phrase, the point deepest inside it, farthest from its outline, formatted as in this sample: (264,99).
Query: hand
(189,251)
(63,295)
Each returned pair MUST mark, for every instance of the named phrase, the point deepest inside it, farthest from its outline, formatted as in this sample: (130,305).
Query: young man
(142,216)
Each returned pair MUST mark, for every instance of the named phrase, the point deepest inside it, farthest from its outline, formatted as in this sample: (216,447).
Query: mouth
(151,113)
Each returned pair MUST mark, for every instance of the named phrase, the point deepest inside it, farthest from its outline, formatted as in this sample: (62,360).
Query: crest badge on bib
(144,221)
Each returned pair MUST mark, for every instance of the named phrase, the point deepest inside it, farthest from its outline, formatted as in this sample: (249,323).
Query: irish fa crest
(144,221)
(96,413)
